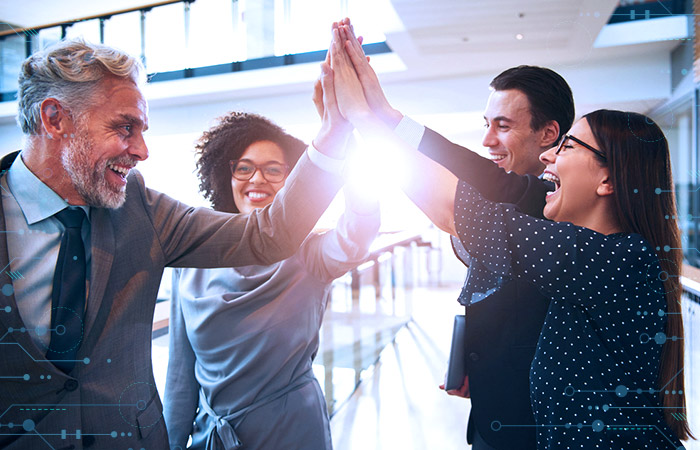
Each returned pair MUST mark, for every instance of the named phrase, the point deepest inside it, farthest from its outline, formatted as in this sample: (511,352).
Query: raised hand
(335,129)
(317,96)
(350,96)
(368,78)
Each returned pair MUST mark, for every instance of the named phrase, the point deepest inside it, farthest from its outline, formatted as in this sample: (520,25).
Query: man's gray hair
(69,71)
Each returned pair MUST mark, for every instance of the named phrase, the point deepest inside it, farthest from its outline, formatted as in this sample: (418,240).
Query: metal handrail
(146,7)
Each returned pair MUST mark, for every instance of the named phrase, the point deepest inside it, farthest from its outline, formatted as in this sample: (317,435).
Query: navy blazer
(502,329)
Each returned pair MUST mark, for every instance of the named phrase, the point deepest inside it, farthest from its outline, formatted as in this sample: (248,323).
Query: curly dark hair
(228,140)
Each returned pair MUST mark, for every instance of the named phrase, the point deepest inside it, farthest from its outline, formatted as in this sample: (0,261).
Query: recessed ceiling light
(519,37)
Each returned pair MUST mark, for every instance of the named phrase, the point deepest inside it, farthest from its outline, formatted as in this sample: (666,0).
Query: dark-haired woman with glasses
(242,339)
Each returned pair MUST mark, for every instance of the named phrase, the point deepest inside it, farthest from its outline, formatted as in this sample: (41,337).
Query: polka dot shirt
(594,379)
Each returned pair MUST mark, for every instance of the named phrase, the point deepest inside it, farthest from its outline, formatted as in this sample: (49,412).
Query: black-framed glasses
(580,142)
(244,169)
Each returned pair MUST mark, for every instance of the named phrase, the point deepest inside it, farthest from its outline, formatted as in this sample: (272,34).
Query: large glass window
(48,37)
(12,53)
(165,38)
(124,31)
(303,26)
(676,120)
(88,30)
(216,34)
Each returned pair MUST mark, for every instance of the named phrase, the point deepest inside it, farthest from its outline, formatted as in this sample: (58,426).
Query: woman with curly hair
(242,339)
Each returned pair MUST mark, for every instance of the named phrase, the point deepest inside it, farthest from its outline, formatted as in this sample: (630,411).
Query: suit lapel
(12,318)
(103,245)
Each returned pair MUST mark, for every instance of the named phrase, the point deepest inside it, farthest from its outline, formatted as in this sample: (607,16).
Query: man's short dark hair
(548,93)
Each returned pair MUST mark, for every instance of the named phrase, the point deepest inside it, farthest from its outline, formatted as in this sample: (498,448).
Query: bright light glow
(374,167)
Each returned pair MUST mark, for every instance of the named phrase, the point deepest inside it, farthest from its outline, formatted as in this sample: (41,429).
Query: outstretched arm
(495,184)
(430,186)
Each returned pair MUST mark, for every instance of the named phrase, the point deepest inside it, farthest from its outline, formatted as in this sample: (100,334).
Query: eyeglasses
(244,169)
(580,142)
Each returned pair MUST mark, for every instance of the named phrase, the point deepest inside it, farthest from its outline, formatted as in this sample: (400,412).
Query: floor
(383,354)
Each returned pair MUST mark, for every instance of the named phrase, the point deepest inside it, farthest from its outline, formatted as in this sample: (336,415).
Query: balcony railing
(188,38)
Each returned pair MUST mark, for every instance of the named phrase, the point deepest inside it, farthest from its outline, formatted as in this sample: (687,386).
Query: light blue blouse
(242,342)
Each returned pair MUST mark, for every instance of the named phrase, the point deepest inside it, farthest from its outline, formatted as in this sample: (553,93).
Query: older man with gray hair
(91,241)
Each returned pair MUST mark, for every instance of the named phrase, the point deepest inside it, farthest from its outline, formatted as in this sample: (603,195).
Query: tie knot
(71,218)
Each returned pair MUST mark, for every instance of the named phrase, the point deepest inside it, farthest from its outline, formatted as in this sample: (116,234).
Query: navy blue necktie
(68,297)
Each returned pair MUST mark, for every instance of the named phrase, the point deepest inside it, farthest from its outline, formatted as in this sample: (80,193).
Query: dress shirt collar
(36,200)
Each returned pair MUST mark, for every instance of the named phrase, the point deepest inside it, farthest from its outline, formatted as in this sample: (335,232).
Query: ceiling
(438,39)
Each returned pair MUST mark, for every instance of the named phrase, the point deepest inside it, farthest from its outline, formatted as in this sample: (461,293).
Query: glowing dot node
(28,425)
(598,426)
(660,338)
(621,391)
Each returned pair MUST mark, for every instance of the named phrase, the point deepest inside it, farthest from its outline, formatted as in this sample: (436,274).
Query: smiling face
(257,192)
(511,141)
(107,142)
(580,179)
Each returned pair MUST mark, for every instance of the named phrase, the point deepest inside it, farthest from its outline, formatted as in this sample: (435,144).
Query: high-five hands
(368,78)
(335,129)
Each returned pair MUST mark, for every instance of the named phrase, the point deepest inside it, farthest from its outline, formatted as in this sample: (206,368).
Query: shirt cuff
(326,163)
(410,131)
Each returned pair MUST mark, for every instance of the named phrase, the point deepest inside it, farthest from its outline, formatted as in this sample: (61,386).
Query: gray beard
(89,181)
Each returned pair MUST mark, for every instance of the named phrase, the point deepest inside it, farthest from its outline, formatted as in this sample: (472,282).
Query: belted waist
(223,436)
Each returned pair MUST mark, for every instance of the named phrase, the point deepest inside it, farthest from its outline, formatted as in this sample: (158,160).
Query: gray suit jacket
(110,400)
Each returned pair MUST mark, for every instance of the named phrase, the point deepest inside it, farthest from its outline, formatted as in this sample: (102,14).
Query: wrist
(332,143)
(390,116)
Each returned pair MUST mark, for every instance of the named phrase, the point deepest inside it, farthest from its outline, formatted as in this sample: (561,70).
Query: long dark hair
(228,140)
(640,171)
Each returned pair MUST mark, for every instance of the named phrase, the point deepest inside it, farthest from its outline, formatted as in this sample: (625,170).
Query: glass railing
(188,38)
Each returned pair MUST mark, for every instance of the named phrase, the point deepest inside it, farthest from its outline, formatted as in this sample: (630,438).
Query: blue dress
(242,342)
(594,379)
